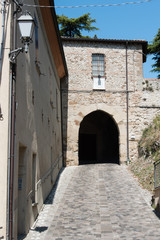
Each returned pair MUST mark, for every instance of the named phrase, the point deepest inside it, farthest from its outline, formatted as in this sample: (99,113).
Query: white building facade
(31,137)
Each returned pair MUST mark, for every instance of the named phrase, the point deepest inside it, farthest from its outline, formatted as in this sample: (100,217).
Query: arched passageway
(98,139)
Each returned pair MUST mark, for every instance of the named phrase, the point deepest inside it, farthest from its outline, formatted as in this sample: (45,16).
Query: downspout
(9,148)
(12,150)
(127,104)
(11,160)
(3,3)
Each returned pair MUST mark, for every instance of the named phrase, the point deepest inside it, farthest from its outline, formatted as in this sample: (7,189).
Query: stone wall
(79,98)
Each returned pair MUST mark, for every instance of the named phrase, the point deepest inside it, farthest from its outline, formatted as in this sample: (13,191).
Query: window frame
(99,71)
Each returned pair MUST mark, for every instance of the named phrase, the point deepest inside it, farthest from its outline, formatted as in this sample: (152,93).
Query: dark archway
(98,139)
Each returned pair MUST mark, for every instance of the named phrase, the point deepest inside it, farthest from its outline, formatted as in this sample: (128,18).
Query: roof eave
(55,42)
(120,41)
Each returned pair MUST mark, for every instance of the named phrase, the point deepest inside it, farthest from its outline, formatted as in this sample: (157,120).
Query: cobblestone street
(93,202)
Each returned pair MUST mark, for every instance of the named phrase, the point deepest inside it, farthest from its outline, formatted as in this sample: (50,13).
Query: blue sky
(132,21)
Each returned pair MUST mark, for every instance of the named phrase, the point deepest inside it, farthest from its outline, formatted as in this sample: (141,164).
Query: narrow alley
(101,201)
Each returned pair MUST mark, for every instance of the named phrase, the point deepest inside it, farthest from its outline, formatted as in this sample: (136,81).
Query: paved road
(94,202)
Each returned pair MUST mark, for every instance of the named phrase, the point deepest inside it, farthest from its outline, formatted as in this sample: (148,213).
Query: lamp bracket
(19,6)
(13,54)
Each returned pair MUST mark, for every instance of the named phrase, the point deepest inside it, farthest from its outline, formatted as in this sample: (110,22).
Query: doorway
(98,139)
(87,148)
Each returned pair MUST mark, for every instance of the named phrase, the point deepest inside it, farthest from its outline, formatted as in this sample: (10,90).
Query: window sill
(101,90)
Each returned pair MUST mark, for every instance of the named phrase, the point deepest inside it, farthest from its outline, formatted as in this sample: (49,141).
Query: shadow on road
(40,229)
(157,214)
(50,198)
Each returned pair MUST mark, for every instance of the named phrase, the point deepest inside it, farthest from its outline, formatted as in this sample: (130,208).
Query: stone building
(106,101)
(30,114)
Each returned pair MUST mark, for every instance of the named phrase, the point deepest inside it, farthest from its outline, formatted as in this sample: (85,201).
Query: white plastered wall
(4,122)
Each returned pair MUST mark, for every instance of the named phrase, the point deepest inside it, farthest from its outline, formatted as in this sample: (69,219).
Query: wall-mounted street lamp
(26,26)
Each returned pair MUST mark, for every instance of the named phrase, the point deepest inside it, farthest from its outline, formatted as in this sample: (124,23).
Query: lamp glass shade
(25,23)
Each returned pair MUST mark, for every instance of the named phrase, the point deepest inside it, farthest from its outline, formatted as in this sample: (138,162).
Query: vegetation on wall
(72,27)
(149,152)
(147,86)
(149,144)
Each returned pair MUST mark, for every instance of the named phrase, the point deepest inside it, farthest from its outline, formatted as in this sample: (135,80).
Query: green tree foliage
(154,48)
(72,27)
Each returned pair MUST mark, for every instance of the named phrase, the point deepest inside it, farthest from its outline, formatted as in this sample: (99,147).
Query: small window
(98,65)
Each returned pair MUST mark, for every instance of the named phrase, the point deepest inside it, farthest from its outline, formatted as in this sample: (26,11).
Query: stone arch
(98,140)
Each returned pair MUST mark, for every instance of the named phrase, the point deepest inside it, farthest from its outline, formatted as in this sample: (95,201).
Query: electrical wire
(85,6)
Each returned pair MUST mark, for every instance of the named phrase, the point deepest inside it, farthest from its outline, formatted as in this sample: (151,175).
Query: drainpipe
(127,103)
(3,3)
(11,159)
(12,151)
(9,148)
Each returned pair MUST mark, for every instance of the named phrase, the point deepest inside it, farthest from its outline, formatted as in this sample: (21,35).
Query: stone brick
(143,94)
